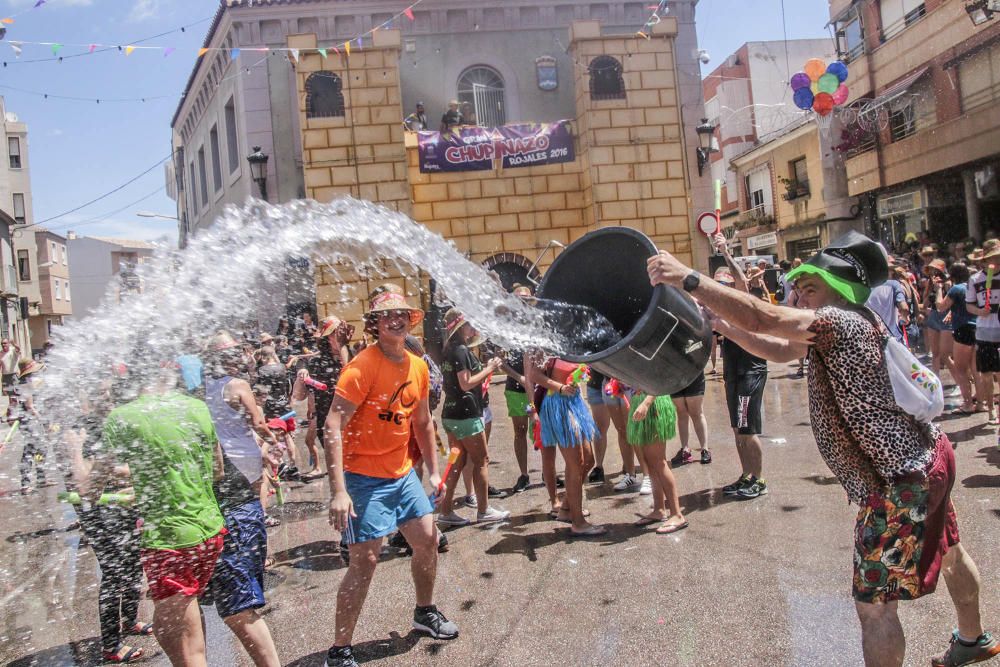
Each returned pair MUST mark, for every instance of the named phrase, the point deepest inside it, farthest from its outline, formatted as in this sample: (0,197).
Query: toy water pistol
(614,387)
(452,457)
(73,498)
(288,415)
(315,384)
(581,374)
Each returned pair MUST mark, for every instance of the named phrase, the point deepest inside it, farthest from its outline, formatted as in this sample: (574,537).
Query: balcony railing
(890,31)
(795,191)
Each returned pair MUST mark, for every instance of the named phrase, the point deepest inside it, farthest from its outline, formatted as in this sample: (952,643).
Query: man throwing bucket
(373,485)
(899,470)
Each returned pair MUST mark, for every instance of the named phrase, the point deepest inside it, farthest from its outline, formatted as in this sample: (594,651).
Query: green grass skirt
(659,425)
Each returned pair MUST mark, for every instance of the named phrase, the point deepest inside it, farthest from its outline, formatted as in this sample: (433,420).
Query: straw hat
(390,297)
(221,341)
(991,248)
(454,320)
(328,326)
(975,256)
(928,250)
(26,367)
(937,265)
(266,338)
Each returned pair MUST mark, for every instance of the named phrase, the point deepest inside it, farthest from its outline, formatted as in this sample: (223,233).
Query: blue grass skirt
(566,421)
(659,425)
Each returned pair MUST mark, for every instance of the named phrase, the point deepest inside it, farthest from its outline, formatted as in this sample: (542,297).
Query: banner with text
(476,148)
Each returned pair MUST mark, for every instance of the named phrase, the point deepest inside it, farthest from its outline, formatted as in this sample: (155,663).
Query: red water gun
(315,384)
(614,387)
(452,457)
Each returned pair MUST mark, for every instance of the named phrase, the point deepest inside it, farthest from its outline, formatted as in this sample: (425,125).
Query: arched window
(606,81)
(324,95)
(481,90)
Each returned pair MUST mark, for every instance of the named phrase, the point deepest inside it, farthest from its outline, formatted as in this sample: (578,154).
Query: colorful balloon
(823,104)
(815,68)
(828,83)
(800,80)
(814,87)
(803,98)
(839,70)
(841,95)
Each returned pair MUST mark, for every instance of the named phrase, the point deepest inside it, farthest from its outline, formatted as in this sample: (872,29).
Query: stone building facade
(631,168)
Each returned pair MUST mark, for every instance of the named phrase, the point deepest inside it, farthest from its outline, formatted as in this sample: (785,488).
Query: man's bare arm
(764,346)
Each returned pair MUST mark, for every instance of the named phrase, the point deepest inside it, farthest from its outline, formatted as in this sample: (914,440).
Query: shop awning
(901,86)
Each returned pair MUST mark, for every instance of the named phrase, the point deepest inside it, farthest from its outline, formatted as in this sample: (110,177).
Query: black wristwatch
(691,281)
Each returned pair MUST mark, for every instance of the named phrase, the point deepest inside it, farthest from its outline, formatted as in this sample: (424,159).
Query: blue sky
(80,150)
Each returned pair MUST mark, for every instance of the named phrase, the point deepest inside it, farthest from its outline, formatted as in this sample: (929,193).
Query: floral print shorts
(904,531)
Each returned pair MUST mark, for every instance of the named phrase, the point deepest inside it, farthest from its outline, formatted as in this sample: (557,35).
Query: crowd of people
(172,467)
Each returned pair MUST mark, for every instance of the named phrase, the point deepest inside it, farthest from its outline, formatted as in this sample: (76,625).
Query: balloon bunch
(820,87)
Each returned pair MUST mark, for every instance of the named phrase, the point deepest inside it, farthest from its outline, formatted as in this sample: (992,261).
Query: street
(757,582)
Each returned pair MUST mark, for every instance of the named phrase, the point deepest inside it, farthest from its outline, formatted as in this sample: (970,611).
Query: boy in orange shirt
(373,485)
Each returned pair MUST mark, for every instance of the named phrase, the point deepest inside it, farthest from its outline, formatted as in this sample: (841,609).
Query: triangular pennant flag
(295,54)
(359,42)
(167,51)
(409,13)
(202,52)
(7,21)
(347,47)
(335,50)
(55,49)
(129,49)
(322,52)
(92,47)
(234,54)
(17,48)
(39,4)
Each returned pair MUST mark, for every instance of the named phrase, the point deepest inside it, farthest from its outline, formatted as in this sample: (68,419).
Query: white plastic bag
(916,388)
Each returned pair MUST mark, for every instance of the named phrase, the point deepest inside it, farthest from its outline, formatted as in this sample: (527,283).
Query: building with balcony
(43,281)
(748,101)
(104,268)
(922,141)
(15,221)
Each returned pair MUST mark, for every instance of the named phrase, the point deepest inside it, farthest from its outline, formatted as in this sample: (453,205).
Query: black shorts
(745,396)
(987,357)
(696,388)
(965,334)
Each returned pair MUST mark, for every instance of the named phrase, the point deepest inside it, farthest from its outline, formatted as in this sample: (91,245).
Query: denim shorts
(382,505)
(598,397)
(238,581)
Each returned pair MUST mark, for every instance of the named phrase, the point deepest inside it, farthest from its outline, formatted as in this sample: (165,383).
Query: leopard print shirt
(863,435)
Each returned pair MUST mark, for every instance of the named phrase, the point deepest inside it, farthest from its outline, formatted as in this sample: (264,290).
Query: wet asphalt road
(763,582)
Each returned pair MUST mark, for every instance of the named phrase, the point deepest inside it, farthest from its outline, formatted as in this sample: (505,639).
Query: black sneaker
(494,492)
(732,489)
(596,475)
(755,489)
(340,657)
(560,483)
(521,484)
(706,456)
(430,621)
(442,543)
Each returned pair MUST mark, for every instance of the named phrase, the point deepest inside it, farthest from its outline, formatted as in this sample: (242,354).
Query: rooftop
(125,243)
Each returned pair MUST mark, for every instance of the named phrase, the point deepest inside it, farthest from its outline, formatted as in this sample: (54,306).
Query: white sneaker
(470,501)
(626,483)
(492,515)
(646,488)
(453,519)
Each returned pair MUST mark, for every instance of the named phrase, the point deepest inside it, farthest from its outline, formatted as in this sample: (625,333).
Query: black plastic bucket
(665,340)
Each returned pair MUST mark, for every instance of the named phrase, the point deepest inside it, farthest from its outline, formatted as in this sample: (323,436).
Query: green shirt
(169,443)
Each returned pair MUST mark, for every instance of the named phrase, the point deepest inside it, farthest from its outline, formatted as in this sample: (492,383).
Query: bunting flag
(322,52)
(202,52)
(359,42)
(347,48)
(91,48)
(167,51)
(17,48)
(55,49)
(39,4)
(642,34)
(335,50)
(295,54)
(129,49)
(409,13)
(8,21)
(234,54)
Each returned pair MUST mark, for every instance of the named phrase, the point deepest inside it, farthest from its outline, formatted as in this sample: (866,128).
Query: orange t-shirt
(386,393)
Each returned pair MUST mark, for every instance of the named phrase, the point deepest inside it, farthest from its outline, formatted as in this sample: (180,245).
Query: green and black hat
(852,265)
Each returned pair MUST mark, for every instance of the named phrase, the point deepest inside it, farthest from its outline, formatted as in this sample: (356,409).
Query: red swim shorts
(184,571)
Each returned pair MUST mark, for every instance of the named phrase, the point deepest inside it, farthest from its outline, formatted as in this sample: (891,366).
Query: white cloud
(142,229)
(143,10)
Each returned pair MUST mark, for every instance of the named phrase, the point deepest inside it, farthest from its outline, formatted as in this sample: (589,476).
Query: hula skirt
(566,421)
(659,425)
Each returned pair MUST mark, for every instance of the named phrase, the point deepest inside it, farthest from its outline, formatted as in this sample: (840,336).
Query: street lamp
(150,214)
(709,145)
(258,170)
(981,11)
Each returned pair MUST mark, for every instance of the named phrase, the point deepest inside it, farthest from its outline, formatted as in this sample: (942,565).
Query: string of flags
(128,49)
(659,10)
(9,20)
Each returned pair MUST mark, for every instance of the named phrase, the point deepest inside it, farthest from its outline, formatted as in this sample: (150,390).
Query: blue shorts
(382,505)
(237,584)
(598,397)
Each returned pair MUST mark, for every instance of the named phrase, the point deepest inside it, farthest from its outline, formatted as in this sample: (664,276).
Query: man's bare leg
(962,576)
(422,538)
(354,588)
(253,633)
(881,634)
(178,629)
